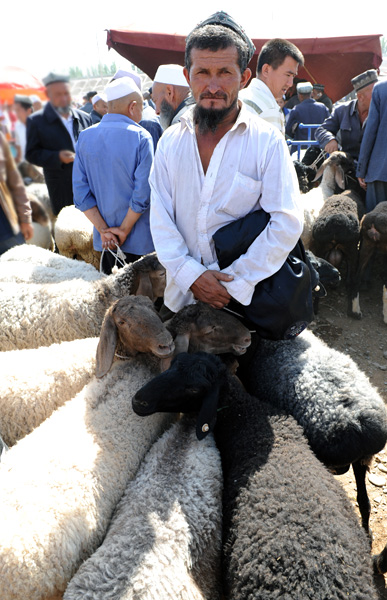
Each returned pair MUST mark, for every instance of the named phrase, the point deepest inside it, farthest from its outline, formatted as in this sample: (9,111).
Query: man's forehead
(218,58)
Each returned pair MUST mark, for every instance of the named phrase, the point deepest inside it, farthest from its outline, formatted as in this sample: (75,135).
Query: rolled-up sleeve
(281,199)
(328,130)
(170,246)
(140,200)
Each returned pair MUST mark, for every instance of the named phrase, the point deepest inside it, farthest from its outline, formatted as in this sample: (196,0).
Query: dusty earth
(366,342)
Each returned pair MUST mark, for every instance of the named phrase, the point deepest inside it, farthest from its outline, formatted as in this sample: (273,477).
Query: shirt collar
(114,117)
(261,85)
(241,123)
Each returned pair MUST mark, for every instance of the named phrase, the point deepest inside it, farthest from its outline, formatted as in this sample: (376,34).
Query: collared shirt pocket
(243,196)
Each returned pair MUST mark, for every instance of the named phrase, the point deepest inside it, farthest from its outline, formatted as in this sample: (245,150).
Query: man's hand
(208,289)
(27,230)
(331,146)
(362,183)
(109,240)
(66,156)
(118,232)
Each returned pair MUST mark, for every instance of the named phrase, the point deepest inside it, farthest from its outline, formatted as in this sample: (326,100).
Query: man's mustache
(216,96)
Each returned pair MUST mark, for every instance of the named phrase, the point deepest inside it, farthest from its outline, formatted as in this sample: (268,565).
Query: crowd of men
(202,150)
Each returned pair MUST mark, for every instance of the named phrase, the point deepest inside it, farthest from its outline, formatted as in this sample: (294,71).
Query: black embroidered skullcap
(222,18)
(319,87)
(361,81)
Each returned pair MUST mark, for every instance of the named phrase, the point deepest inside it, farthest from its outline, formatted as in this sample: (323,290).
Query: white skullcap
(304,87)
(35,98)
(97,97)
(120,87)
(136,78)
(171,75)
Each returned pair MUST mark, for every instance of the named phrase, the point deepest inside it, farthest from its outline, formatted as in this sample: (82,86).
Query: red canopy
(14,80)
(331,61)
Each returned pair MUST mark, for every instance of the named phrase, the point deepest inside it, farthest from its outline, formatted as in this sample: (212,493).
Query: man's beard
(167,112)
(208,119)
(63,110)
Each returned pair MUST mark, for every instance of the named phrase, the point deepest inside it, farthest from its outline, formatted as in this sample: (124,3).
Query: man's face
(281,79)
(159,92)
(101,107)
(21,113)
(364,97)
(215,78)
(59,94)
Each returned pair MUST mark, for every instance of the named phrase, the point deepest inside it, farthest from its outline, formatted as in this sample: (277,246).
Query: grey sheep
(289,530)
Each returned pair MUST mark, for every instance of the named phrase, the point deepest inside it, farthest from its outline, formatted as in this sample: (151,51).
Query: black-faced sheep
(373,240)
(289,530)
(35,315)
(164,541)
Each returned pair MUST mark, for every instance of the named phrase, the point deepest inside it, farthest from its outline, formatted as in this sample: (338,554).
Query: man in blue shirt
(308,112)
(110,176)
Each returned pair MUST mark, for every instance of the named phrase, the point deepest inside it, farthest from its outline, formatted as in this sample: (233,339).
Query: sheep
(164,541)
(34,382)
(40,191)
(336,231)
(37,265)
(373,239)
(3,447)
(41,224)
(289,530)
(342,414)
(70,472)
(333,171)
(73,234)
(35,315)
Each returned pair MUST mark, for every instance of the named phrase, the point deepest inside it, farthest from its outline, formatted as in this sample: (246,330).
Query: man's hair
(90,95)
(25,105)
(275,51)
(214,38)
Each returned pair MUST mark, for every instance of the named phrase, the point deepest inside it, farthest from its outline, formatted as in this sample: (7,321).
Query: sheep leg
(380,561)
(353,306)
(360,470)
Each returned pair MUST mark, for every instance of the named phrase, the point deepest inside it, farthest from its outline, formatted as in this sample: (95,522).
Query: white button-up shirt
(250,168)
(260,100)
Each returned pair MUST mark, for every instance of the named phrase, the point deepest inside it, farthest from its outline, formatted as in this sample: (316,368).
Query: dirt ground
(366,342)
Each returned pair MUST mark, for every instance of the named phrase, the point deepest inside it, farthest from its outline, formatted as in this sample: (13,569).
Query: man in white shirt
(217,165)
(277,66)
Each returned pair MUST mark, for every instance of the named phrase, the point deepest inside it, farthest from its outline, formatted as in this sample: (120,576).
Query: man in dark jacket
(307,112)
(51,137)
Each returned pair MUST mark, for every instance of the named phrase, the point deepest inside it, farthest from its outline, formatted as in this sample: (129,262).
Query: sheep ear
(145,287)
(181,342)
(340,177)
(208,413)
(106,346)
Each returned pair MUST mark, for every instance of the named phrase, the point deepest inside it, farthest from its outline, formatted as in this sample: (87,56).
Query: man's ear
(186,75)
(245,78)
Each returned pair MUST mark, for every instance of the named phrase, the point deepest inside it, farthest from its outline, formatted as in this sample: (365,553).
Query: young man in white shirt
(217,165)
(277,66)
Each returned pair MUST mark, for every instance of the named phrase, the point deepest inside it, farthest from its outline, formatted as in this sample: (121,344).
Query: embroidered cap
(120,87)
(361,81)
(222,18)
(319,87)
(55,78)
(304,87)
(171,75)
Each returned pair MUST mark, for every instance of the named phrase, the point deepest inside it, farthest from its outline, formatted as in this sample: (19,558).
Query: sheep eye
(194,391)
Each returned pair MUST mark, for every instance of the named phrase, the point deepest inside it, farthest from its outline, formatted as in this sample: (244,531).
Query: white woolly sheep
(70,472)
(289,529)
(164,541)
(342,414)
(35,315)
(74,236)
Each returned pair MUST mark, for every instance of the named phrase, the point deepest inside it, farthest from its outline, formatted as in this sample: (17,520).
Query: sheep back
(342,414)
(164,540)
(68,475)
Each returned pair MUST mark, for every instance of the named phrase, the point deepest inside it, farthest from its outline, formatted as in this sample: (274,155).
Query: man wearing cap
(344,128)
(277,66)
(218,164)
(150,121)
(111,171)
(372,164)
(51,137)
(319,95)
(23,109)
(88,106)
(99,108)
(308,111)
(171,94)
